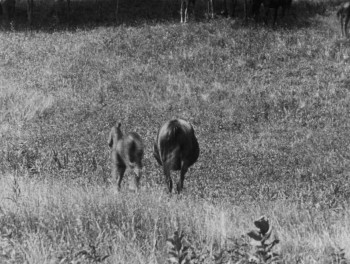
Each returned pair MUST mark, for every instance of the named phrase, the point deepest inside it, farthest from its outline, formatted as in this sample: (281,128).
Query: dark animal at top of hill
(184,9)
(176,148)
(7,8)
(233,3)
(344,15)
(268,4)
(126,153)
(185,6)
(233,7)
(210,9)
(58,9)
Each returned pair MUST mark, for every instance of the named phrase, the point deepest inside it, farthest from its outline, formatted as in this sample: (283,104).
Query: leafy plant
(336,256)
(178,249)
(262,251)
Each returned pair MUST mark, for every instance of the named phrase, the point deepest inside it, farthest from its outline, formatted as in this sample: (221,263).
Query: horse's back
(176,143)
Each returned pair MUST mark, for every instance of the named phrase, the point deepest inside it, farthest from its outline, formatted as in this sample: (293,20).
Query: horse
(7,8)
(176,148)
(344,13)
(184,9)
(185,5)
(268,4)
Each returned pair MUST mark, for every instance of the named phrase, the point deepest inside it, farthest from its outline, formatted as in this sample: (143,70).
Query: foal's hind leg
(121,171)
(118,170)
(137,178)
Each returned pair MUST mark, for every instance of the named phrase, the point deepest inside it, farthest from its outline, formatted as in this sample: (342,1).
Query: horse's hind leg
(267,15)
(184,169)
(225,10)
(275,16)
(341,25)
(168,179)
(346,25)
(255,11)
(182,11)
(233,7)
(284,7)
(193,9)
(210,9)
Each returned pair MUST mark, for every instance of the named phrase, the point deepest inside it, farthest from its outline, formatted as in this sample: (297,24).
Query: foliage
(177,250)
(263,250)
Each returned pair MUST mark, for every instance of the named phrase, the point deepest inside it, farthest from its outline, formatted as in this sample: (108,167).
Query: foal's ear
(111,137)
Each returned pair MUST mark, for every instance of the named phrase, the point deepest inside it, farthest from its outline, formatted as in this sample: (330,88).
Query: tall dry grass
(62,222)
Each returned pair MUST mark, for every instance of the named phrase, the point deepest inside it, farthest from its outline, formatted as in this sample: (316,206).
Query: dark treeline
(87,13)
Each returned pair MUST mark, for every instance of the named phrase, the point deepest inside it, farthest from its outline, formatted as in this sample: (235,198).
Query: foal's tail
(134,150)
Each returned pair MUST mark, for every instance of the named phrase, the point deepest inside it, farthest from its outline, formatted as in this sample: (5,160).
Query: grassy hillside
(270,108)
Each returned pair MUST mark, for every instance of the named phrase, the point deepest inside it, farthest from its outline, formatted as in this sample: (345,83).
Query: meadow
(270,107)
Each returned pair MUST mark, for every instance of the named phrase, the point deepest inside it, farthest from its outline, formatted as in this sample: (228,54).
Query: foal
(126,153)
(344,12)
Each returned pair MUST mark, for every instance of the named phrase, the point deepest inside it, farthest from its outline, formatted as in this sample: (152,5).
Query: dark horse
(176,148)
(233,4)
(344,13)
(7,10)
(268,4)
(185,6)
(184,9)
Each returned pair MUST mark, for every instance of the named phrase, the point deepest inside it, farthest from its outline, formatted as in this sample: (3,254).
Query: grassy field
(270,107)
